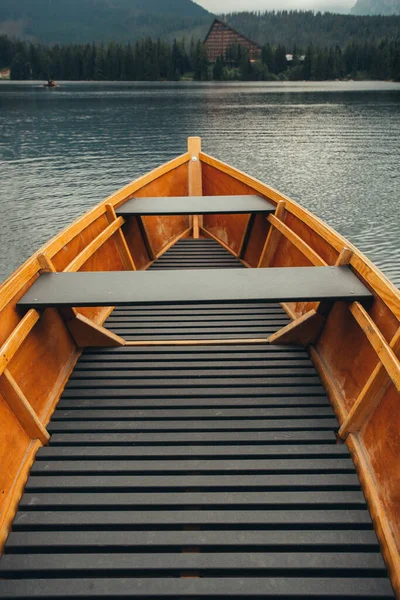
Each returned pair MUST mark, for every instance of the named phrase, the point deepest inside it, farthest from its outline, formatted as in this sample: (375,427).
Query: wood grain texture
(385,353)
(195,184)
(122,246)
(328,381)
(370,396)
(19,452)
(21,408)
(93,246)
(257,239)
(301,332)
(385,517)
(297,241)
(16,339)
(87,334)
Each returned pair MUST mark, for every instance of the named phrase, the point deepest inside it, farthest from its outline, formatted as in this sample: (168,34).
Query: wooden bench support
(145,237)
(88,334)
(273,237)
(122,246)
(301,332)
(370,395)
(22,409)
(247,235)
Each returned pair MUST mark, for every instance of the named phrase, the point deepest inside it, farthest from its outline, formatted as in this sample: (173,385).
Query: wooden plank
(300,244)
(370,396)
(296,588)
(122,246)
(182,451)
(181,381)
(272,239)
(203,466)
(17,338)
(274,541)
(195,184)
(91,248)
(221,285)
(204,437)
(209,518)
(199,392)
(315,400)
(385,353)
(304,331)
(20,406)
(317,423)
(350,499)
(267,564)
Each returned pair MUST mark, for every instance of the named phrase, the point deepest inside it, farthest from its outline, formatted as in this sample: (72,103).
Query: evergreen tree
(218,69)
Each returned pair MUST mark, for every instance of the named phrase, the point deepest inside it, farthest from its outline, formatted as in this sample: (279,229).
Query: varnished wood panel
(381,440)
(42,361)
(14,443)
(9,316)
(162,230)
(347,352)
(287,255)
(78,243)
(135,243)
(311,237)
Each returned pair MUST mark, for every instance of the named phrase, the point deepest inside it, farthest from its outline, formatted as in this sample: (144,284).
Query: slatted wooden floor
(194,472)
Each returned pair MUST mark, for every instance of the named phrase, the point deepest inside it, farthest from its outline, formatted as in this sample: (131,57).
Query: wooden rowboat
(199,429)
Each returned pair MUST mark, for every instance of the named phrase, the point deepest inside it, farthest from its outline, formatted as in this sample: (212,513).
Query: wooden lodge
(221,37)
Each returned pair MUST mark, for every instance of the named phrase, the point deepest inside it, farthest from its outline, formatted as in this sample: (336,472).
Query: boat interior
(199,398)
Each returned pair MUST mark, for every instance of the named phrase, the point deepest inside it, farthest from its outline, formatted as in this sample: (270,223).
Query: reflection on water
(334,147)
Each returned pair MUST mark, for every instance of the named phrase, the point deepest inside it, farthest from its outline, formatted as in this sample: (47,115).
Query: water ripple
(333,147)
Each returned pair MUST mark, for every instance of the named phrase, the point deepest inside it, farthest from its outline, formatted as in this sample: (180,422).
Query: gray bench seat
(118,288)
(195,205)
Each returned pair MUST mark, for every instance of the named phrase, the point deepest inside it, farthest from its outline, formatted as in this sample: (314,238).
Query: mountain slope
(306,27)
(376,7)
(78,21)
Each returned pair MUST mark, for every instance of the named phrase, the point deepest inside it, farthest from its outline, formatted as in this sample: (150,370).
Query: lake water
(334,147)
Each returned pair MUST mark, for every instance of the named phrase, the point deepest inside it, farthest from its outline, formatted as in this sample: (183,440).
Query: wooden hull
(355,352)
